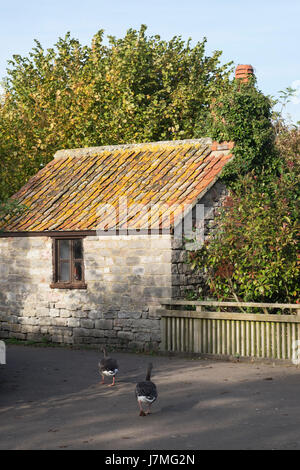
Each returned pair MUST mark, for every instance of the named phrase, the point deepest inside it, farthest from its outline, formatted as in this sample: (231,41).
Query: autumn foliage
(127,90)
(254,253)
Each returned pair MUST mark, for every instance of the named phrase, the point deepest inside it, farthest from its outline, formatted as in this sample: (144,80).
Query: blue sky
(264,33)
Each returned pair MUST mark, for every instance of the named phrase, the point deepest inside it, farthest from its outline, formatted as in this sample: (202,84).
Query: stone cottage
(104,240)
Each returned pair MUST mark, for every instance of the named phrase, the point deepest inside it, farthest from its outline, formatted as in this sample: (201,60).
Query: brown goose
(108,367)
(146,392)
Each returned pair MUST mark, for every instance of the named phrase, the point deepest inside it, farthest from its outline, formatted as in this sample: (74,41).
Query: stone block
(81,332)
(158,269)
(147,324)
(142,337)
(57,339)
(138,270)
(175,268)
(119,288)
(42,312)
(95,314)
(110,333)
(63,313)
(59,321)
(110,314)
(136,345)
(157,292)
(97,333)
(15,328)
(128,335)
(104,324)
(45,321)
(54,312)
(21,336)
(80,314)
(124,323)
(87,323)
(156,336)
(29,321)
(129,314)
(73,323)
(132,260)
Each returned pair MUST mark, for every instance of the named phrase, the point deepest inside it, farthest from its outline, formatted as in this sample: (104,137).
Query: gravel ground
(51,398)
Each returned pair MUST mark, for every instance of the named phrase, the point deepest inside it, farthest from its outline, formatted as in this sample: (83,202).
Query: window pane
(77,249)
(78,271)
(64,249)
(64,271)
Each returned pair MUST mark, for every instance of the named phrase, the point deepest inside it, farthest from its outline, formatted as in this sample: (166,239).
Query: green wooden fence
(188,326)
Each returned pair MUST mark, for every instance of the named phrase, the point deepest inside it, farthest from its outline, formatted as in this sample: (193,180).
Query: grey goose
(146,392)
(108,367)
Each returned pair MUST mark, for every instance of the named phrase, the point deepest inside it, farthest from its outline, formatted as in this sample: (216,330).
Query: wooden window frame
(55,265)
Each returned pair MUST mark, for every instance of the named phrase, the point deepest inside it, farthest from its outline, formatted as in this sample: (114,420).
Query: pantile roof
(86,189)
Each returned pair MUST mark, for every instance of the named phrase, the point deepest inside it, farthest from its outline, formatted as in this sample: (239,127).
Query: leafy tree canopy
(133,89)
(253,255)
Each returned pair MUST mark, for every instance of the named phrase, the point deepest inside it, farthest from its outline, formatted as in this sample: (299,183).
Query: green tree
(254,253)
(133,89)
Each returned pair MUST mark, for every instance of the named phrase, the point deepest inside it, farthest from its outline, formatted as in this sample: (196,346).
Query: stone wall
(126,276)
(184,279)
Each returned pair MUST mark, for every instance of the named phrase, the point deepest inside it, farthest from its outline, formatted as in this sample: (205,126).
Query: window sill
(68,285)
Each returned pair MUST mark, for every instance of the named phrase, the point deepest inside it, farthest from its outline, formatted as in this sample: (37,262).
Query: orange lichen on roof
(88,189)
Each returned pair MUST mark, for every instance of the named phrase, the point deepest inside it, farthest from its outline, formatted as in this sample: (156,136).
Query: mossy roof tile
(70,193)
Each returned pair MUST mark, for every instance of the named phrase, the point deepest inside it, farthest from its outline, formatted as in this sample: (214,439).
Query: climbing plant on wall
(242,114)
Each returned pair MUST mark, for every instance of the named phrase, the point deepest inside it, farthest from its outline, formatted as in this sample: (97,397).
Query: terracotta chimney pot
(242,72)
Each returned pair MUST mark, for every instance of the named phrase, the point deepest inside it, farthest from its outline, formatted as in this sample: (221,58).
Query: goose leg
(142,412)
(113,382)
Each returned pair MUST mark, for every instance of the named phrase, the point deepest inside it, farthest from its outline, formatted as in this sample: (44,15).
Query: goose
(146,392)
(108,367)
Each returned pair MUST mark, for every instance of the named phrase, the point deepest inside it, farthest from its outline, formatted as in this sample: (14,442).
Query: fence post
(2,353)
(163,345)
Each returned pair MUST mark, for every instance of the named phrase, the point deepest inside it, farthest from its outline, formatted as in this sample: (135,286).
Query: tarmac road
(51,398)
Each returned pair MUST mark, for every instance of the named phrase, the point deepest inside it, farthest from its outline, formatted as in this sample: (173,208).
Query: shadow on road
(52,398)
